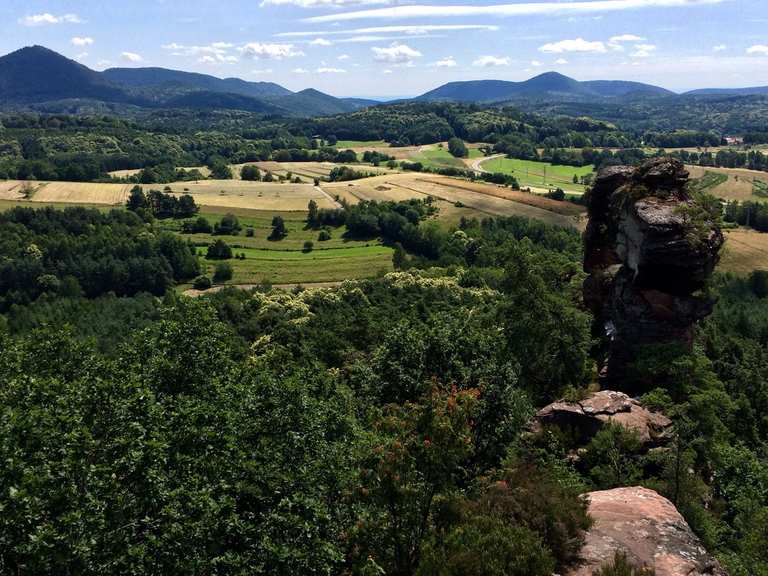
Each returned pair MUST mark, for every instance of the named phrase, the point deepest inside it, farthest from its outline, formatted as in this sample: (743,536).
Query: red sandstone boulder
(586,417)
(649,529)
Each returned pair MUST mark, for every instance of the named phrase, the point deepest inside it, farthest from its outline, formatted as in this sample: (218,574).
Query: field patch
(739,184)
(539,174)
(745,251)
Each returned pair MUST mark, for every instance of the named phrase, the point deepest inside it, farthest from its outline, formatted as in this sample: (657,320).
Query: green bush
(202,283)
(223,272)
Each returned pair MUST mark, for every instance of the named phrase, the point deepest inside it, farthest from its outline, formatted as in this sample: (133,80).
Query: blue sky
(388,48)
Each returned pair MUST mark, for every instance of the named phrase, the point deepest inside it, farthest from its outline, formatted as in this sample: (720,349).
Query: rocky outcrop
(649,249)
(649,529)
(584,418)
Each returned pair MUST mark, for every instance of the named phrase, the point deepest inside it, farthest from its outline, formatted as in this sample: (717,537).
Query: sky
(397,48)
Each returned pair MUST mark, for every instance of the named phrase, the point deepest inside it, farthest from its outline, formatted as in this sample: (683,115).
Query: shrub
(202,283)
(308,246)
(223,272)
(324,235)
(219,250)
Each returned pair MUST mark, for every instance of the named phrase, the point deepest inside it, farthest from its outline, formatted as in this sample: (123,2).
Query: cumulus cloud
(81,56)
(759,49)
(262,72)
(300,71)
(320,42)
(719,48)
(78,41)
(506,10)
(643,50)
(260,51)
(386,72)
(488,61)
(561,61)
(328,70)
(215,53)
(46,18)
(535,63)
(576,45)
(395,53)
(615,42)
(343,57)
(131,57)
(448,62)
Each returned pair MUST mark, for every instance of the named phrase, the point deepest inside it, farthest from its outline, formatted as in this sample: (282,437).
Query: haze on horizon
(387,48)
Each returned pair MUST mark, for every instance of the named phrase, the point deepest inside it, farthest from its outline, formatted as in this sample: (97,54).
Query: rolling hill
(547,86)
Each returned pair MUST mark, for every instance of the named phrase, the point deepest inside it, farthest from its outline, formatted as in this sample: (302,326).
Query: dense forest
(374,428)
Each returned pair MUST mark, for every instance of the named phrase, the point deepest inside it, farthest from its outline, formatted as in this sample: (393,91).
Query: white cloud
(396,53)
(131,57)
(216,53)
(78,41)
(47,18)
(502,10)
(625,38)
(386,72)
(394,30)
(719,48)
(327,70)
(343,57)
(760,49)
(320,42)
(448,62)
(561,61)
(103,63)
(487,61)
(300,71)
(322,3)
(364,39)
(262,72)
(643,50)
(576,45)
(535,63)
(81,56)
(261,51)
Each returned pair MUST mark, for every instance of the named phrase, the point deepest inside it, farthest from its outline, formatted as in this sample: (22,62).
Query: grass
(284,267)
(760,188)
(344,144)
(708,181)
(437,158)
(745,251)
(539,174)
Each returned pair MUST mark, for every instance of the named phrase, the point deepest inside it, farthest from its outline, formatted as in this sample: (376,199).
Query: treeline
(160,205)
(751,159)
(751,214)
(79,251)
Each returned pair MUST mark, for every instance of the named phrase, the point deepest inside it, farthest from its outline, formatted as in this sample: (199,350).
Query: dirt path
(476,164)
(331,199)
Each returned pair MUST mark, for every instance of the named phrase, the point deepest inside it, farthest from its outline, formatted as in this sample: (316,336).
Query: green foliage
(219,250)
(457,148)
(279,230)
(202,283)
(222,272)
(613,458)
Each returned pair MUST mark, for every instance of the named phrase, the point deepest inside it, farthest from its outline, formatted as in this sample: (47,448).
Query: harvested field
(740,184)
(745,251)
(82,193)
(486,198)
(254,195)
(11,190)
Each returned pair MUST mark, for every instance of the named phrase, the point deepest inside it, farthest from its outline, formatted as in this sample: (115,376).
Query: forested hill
(36,75)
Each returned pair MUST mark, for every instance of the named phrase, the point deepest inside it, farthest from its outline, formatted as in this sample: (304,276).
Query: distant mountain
(163,77)
(753,91)
(34,76)
(547,86)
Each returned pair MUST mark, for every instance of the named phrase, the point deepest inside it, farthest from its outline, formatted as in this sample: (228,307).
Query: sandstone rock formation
(586,417)
(649,529)
(649,249)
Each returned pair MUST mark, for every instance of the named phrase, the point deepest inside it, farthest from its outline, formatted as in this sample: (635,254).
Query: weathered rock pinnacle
(649,249)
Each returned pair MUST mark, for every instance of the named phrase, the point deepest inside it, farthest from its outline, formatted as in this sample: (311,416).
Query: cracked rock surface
(649,529)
